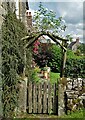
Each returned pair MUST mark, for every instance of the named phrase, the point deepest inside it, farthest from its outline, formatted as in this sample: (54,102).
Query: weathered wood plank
(49,97)
(35,98)
(45,98)
(30,97)
(40,98)
(54,98)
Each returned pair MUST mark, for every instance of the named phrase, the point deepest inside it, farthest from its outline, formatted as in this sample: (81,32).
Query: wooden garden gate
(42,98)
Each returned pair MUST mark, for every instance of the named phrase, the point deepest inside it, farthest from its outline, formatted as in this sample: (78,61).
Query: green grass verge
(54,77)
(78,115)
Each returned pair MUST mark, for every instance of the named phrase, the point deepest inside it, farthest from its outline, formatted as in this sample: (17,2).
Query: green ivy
(12,61)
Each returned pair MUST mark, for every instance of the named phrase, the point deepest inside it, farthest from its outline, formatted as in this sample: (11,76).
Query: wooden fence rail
(42,98)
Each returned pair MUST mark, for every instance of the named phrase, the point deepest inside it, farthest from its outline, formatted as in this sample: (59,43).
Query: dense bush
(49,55)
(55,59)
(75,65)
(12,60)
(81,48)
(43,55)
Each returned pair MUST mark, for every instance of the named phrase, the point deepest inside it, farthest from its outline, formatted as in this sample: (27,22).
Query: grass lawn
(78,114)
(54,77)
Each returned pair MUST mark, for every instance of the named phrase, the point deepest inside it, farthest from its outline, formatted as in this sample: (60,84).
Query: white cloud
(72,14)
(79,26)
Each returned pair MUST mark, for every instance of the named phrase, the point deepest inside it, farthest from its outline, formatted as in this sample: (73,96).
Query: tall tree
(45,20)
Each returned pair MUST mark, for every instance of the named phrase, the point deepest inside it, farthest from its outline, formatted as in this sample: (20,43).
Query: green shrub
(75,67)
(70,54)
(49,55)
(55,59)
(35,73)
(52,56)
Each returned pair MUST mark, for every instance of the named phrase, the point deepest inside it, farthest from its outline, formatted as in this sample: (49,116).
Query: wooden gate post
(62,83)
(63,62)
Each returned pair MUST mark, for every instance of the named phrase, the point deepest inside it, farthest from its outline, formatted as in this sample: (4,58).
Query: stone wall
(74,94)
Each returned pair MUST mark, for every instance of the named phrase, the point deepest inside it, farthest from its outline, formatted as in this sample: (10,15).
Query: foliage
(28,71)
(75,63)
(43,55)
(45,19)
(49,55)
(79,114)
(69,37)
(12,61)
(54,77)
(35,77)
(77,52)
(35,74)
(36,46)
(55,59)
(81,47)
(70,54)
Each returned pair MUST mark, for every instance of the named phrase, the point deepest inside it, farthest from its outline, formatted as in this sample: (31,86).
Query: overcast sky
(72,13)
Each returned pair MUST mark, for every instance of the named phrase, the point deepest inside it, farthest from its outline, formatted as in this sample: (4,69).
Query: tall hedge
(12,61)
(75,67)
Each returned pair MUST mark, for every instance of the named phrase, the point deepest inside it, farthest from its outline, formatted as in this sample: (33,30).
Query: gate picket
(54,98)
(45,98)
(49,98)
(40,98)
(30,97)
(34,98)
